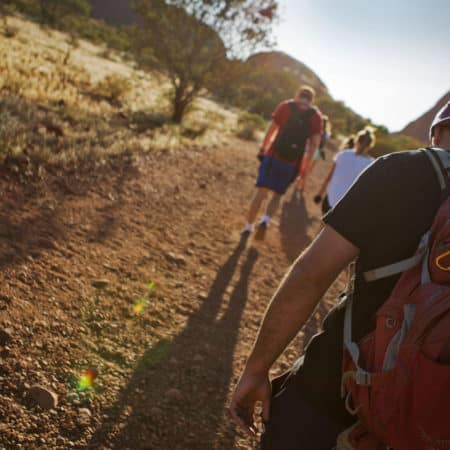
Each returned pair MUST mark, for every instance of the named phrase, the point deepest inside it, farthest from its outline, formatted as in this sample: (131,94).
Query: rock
(6,299)
(155,411)
(198,358)
(174,395)
(84,416)
(202,296)
(45,398)
(180,260)
(102,283)
(5,351)
(5,336)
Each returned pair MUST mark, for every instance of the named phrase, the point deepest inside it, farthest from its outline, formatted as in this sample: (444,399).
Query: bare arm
(312,147)
(270,135)
(293,302)
(297,296)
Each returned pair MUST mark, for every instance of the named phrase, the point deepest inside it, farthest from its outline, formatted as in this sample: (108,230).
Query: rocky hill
(418,128)
(286,63)
(119,12)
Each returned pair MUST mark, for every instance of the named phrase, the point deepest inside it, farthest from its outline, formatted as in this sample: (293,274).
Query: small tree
(192,39)
(53,11)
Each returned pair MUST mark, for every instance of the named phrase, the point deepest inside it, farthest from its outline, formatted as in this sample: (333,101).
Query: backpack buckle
(362,378)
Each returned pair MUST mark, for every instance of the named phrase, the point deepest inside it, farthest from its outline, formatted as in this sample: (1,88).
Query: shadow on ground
(294,223)
(186,378)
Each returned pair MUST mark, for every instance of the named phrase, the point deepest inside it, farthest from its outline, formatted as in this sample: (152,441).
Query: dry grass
(62,100)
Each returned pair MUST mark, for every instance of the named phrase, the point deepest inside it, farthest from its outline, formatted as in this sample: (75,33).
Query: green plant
(388,143)
(52,11)
(191,40)
(10,31)
(12,129)
(143,120)
(113,87)
(248,124)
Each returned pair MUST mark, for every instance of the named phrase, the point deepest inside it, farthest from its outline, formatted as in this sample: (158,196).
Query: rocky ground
(128,302)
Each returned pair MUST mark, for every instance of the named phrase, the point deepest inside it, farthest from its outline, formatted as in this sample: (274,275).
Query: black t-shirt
(384,214)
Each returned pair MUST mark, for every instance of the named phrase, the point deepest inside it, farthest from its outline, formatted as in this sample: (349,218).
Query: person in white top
(348,165)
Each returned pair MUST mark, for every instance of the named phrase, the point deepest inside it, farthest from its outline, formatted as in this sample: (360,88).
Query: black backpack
(291,140)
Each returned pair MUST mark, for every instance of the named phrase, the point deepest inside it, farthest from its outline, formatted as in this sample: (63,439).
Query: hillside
(128,301)
(280,61)
(419,128)
(266,77)
(119,12)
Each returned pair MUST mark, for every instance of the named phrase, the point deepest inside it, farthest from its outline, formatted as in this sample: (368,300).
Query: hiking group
(378,375)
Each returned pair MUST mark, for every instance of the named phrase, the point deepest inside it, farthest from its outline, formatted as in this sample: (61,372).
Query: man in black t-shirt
(380,221)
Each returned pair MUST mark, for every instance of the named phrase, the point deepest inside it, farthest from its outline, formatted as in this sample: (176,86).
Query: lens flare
(139,305)
(86,380)
(150,285)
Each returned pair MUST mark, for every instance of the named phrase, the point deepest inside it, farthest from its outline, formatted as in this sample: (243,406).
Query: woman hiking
(348,165)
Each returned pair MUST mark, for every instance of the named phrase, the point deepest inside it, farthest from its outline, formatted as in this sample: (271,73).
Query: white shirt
(349,165)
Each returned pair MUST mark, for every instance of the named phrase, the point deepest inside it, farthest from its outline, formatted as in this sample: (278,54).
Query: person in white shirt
(348,165)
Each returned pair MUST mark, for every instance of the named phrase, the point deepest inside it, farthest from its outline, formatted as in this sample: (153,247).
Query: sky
(387,60)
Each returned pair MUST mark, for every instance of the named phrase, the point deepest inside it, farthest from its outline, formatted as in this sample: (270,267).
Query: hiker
(350,143)
(295,123)
(306,169)
(379,222)
(347,166)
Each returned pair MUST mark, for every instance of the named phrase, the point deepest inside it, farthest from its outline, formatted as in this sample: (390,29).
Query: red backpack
(397,378)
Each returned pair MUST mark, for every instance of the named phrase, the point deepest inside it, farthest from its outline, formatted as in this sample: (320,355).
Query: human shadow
(186,378)
(294,224)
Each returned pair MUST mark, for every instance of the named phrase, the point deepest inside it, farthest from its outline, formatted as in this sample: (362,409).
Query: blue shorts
(275,174)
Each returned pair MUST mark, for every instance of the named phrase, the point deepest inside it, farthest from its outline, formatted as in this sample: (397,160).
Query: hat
(442,116)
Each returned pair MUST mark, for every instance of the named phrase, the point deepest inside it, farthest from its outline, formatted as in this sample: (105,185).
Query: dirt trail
(164,376)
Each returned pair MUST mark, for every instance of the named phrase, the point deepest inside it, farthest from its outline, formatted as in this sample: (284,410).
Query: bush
(143,120)
(13,118)
(113,87)
(389,143)
(248,125)
(10,31)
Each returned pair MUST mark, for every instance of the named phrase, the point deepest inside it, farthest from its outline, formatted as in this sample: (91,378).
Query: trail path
(164,376)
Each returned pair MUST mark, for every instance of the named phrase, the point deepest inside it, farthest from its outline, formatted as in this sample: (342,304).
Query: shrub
(143,120)
(113,87)
(12,127)
(248,124)
(388,143)
(10,31)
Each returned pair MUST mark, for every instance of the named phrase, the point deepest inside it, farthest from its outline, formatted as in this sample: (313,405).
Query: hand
(317,199)
(250,389)
(261,153)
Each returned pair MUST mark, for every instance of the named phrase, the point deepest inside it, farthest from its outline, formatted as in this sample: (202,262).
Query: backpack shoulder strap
(294,109)
(310,112)
(440,161)
(292,106)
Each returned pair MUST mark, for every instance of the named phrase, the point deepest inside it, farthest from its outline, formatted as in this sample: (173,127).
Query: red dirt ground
(164,375)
